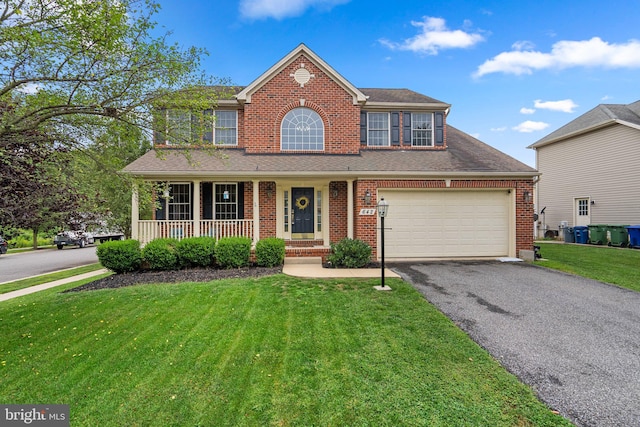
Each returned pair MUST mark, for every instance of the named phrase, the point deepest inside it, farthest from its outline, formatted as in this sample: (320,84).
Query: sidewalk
(42,287)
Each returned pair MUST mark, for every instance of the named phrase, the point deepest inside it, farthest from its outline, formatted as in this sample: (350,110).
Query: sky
(513,71)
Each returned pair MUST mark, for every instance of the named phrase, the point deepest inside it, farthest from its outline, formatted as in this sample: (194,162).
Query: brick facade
(261,108)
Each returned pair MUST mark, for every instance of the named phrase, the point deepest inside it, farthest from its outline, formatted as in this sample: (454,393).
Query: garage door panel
(431,224)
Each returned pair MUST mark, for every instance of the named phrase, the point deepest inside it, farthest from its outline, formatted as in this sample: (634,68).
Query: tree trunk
(35,238)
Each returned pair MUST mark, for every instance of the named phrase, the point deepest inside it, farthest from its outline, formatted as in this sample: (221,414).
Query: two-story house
(306,156)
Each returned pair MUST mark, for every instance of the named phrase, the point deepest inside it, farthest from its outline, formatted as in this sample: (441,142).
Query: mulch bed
(189,275)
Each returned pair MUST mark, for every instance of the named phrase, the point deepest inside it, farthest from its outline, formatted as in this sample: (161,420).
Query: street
(27,264)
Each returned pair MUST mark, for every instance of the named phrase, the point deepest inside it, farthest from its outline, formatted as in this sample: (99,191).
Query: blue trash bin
(634,236)
(581,233)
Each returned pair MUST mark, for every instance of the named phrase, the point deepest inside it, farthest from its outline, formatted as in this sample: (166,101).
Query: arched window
(302,129)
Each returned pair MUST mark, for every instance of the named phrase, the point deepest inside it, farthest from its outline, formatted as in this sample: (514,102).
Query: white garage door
(435,224)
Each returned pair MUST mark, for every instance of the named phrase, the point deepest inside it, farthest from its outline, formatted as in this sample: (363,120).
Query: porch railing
(149,229)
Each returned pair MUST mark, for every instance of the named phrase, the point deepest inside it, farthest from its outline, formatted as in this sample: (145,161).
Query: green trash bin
(619,235)
(597,234)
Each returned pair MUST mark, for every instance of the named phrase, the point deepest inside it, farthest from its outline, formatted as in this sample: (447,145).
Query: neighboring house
(307,156)
(590,170)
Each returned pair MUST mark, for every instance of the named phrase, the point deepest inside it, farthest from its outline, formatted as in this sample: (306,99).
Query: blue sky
(513,71)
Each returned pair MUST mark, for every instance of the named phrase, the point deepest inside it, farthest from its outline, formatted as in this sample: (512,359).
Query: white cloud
(280,9)
(525,110)
(523,45)
(606,98)
(564,54)
(565,105)
(500,129)
(530,126)
(435,36)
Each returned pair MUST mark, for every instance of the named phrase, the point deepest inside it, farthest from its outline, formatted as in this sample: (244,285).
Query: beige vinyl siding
(603,165)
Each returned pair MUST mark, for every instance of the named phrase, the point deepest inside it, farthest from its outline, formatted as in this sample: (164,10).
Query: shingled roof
(464,156)
(600,116)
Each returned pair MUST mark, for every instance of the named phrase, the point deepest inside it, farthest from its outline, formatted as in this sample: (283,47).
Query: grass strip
(46,278)
(618,266)
(275,350)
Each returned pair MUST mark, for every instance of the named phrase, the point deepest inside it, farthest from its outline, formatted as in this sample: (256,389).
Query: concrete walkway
(42,287)
(312,268)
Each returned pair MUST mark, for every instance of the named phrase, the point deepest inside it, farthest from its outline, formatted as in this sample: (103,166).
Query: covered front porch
(308,214)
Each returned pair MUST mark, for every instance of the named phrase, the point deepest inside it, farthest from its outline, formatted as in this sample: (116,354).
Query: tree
(36,194)
(69,69)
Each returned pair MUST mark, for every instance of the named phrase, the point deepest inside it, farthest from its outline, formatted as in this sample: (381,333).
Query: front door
(583,216)
(302,215)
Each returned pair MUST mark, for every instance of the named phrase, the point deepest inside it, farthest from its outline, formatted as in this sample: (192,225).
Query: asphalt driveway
(575,341)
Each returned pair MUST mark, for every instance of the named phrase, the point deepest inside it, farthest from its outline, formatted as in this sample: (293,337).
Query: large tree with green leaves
(70,69)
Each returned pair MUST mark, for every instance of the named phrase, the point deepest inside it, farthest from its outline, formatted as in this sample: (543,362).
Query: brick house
(306,156)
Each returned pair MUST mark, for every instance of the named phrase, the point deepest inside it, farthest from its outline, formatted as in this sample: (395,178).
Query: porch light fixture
(383,209)
(269,189)
(526,196)
(334,189)
(367,197)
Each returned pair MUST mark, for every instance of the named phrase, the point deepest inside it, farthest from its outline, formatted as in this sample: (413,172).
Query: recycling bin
(634,236)
(581,234)
(597,234)
(619,235)
(569,235)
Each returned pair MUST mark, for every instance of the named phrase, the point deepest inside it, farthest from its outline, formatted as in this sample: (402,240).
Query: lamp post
(383,208)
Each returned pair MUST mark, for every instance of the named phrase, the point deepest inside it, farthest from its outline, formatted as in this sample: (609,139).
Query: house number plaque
(367,212)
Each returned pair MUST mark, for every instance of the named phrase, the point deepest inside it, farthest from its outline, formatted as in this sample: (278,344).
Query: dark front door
(302,218)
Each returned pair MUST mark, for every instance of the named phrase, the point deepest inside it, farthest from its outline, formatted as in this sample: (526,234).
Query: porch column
(196,208)
(256,211)
(350,208)
(135,212)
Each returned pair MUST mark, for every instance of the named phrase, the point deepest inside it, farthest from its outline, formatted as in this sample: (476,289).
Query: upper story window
(302,129)
(187,127)
(422,129)
(224,130)
(378,129)
(178,126)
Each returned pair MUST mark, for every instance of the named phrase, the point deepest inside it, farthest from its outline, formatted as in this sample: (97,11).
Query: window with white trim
(223,128)
(226,201)
(178,126)
(583,207)
(422,129)
(378,129)
(179,202)
(302,129)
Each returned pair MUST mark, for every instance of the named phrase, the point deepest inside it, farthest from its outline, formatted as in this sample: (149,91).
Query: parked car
(3,246)
(73,238)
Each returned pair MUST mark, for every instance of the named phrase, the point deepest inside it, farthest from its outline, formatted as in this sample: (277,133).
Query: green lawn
(276,351)
(612,265)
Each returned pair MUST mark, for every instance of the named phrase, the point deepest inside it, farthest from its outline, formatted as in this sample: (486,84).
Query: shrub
(350,253)
(121,256)
(233,252)
(270,252)
(196,251)
(161,254)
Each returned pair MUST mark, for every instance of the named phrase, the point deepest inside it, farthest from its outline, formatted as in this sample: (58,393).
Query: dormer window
(302,129)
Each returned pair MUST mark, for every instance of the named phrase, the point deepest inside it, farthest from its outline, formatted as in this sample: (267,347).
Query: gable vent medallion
(302,76)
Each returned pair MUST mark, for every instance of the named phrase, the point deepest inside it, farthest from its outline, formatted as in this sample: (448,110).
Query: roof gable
(245,94)
(601,116)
